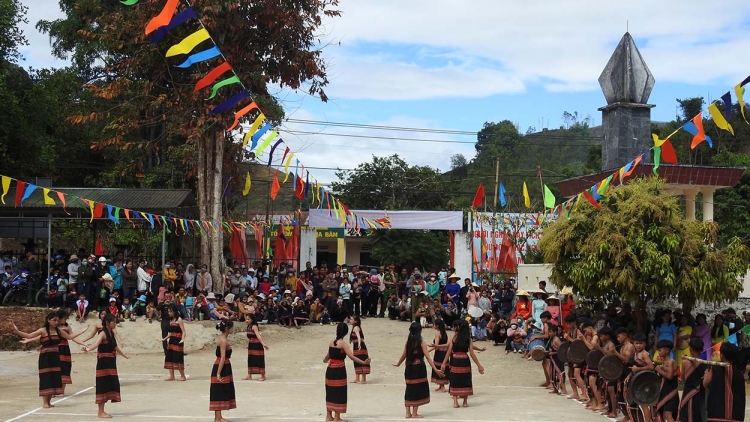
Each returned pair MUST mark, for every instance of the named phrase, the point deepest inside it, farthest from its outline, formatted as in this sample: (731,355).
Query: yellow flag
(526,198)
(6,186)
(286,167)
(253,129)
(189,43)
(47,199)
(248,183)
(719,119)
(267,142)
(91,208)
(740,92)
(658,142)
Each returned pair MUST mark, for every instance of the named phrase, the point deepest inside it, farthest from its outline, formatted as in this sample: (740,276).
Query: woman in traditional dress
(460,348)
(417,387)
(107,380)
(174,358)
(338,350)
(702,331)
(538,305)
(359,349)
(684,332)
(50,374)
(256,356)
(222,395)
(66,363)
(440,344)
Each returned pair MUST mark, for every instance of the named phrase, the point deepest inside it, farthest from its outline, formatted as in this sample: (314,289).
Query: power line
(379,127)
(346,135)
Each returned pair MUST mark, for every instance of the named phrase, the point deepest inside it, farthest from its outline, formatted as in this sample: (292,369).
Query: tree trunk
(210,164)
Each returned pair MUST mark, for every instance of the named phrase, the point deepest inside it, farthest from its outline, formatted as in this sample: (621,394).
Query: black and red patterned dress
(222,395)
(440,350)
(50,377)
(336,390)
(66,362)
(360,353)
(256,356)
(174,358)
(460,375)
(107,380)
(417,387)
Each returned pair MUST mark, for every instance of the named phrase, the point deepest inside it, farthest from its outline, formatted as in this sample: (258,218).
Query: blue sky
(455,65)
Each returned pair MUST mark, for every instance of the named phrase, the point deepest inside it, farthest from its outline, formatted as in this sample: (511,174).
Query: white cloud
(39,52)
(507,45)
(328,152)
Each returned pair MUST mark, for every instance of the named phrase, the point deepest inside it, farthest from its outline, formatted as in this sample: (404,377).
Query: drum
(577,352)
(592,359)
(562,351)
(611,368)
(537,349)
(643,388)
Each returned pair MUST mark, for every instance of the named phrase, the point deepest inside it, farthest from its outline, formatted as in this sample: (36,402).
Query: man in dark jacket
(504,301)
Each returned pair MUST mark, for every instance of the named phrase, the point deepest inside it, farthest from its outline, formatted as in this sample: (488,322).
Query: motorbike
(16,292)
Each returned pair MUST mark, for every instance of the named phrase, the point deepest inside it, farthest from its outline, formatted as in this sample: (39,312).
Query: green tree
(391,183)
(423,249)
(458,161)
(12,13)
(640,247)
(150,110)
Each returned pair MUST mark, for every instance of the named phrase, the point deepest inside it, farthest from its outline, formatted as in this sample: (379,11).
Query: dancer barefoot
(222,395)
(440,345)
(336,390)
(256,357)
(174,358)
(417,388)
(359,348)
(50,375)
(107,380)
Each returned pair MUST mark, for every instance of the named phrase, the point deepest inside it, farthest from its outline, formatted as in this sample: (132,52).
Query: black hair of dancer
(336,388)
(107,379)
(417,387)
(50,374)
(440,345)
(222,395)
(174,358)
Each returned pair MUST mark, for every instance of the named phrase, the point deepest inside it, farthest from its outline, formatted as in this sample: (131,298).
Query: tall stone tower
(626,119)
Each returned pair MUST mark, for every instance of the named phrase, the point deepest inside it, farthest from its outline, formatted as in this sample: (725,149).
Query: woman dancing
(222,385)
(460,348)
(66,363)
(440,344)
(98,329)
(256,357)
(107,380)
(174,358)
(50,374)
(357,338)
(338,350)
(417,388)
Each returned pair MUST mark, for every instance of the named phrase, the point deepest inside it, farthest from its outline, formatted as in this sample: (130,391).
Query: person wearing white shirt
(144,279)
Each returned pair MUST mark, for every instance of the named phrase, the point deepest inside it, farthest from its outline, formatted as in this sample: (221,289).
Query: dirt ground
(294,391)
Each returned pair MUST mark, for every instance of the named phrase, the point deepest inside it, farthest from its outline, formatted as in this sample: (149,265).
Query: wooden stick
(707,362)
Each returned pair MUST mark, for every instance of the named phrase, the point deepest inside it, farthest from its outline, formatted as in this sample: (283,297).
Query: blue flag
(501,195)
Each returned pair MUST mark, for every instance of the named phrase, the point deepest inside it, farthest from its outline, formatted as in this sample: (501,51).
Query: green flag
(549,198)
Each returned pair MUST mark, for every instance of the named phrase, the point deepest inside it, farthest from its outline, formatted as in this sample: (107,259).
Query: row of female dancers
(712,392)
(451,364)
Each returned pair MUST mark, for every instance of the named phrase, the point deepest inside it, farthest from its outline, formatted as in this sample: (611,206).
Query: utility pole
(494,219)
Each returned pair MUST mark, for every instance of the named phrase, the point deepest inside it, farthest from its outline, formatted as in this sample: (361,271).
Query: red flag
(99,249)
(591,199)
(479,196)
(20,189)
(667,153)
(275,187)
(98,210)
(299,189)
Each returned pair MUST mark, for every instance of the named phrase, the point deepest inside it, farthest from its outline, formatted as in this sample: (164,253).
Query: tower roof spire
(626,78)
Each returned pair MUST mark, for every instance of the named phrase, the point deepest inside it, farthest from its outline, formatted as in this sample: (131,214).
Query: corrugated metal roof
(135,199)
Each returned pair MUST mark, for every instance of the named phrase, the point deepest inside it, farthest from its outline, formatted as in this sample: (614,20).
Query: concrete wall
(462,253)
(529,276)
(745,294)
